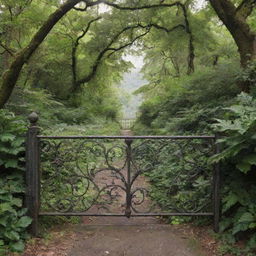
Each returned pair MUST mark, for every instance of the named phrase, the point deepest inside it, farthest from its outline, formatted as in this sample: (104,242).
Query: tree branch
(163,28)
(11,75)
(235,22)
(114,50)
(129,8)
(245,8)
(191,49)
(97,62)
(74,50)
(7,49)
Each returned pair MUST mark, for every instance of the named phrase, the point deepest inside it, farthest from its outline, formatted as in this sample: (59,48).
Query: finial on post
(33,118)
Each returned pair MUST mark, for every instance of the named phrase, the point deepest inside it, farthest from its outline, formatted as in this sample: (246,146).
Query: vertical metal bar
(32,173)
(216,189)
(128,188)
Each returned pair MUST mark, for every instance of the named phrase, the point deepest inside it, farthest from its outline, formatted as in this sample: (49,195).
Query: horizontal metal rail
(130,137)
(123,215)
(55,156)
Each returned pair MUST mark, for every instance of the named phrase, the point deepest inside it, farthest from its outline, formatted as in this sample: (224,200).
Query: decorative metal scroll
(114,176)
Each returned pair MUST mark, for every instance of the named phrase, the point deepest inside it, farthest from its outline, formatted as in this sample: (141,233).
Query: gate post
(216,189)
(128,211)
(32,172)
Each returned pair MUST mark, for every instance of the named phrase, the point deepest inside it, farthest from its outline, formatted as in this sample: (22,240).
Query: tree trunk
(11,75)
(234,18)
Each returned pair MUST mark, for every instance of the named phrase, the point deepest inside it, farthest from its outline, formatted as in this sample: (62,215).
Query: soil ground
(119,236)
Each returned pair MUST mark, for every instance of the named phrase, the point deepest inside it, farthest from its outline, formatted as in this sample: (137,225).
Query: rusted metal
(78,166)
(32,173)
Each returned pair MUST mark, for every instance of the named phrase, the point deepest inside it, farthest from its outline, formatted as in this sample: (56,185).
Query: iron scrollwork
(98,175)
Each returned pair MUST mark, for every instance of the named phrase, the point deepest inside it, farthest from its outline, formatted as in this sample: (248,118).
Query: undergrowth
(13,222)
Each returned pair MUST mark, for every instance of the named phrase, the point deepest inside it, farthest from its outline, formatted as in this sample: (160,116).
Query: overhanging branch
(114,50)
(74,49)
(191,49)
(130,8)
(109,47)
(100,56)
(245,8)
(7,49)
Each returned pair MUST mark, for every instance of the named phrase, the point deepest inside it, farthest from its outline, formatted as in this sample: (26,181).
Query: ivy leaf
(17,202)
(12,235)
(6,207)
(4,221)
(18,246)
(24,222)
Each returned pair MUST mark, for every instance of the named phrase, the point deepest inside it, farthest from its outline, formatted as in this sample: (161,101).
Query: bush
(13,223)
(188,105)
(239,159)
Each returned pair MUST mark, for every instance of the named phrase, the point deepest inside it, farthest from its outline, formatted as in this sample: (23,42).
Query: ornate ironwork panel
(114,175)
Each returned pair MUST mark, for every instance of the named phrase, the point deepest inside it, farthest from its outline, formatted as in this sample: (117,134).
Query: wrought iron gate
(127,123)
(112,175)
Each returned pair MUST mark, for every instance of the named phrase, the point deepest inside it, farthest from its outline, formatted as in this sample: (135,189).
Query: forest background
(66,61)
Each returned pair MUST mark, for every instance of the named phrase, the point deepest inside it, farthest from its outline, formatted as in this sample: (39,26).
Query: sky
(137,61)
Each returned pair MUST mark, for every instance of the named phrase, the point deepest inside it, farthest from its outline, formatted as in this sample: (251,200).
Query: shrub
(13,221)
(188,105)
(239,159)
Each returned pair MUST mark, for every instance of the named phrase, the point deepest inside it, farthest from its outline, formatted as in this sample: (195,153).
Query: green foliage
(181,179)
(199,104)
(180,106)
(98,126)
(239,156)
(97,104)
(240,128)
(174,103)
(13,223)
(249,74)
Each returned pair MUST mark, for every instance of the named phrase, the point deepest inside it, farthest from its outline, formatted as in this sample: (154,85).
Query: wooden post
(216,189)
(32,173)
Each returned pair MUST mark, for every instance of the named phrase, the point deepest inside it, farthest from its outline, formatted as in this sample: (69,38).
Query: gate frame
(32,198)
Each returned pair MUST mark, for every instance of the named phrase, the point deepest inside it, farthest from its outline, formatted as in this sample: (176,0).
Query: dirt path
(132,240)
(120,236)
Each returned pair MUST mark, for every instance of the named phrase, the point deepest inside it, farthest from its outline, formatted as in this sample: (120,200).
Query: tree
(235,19)
(11,75)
